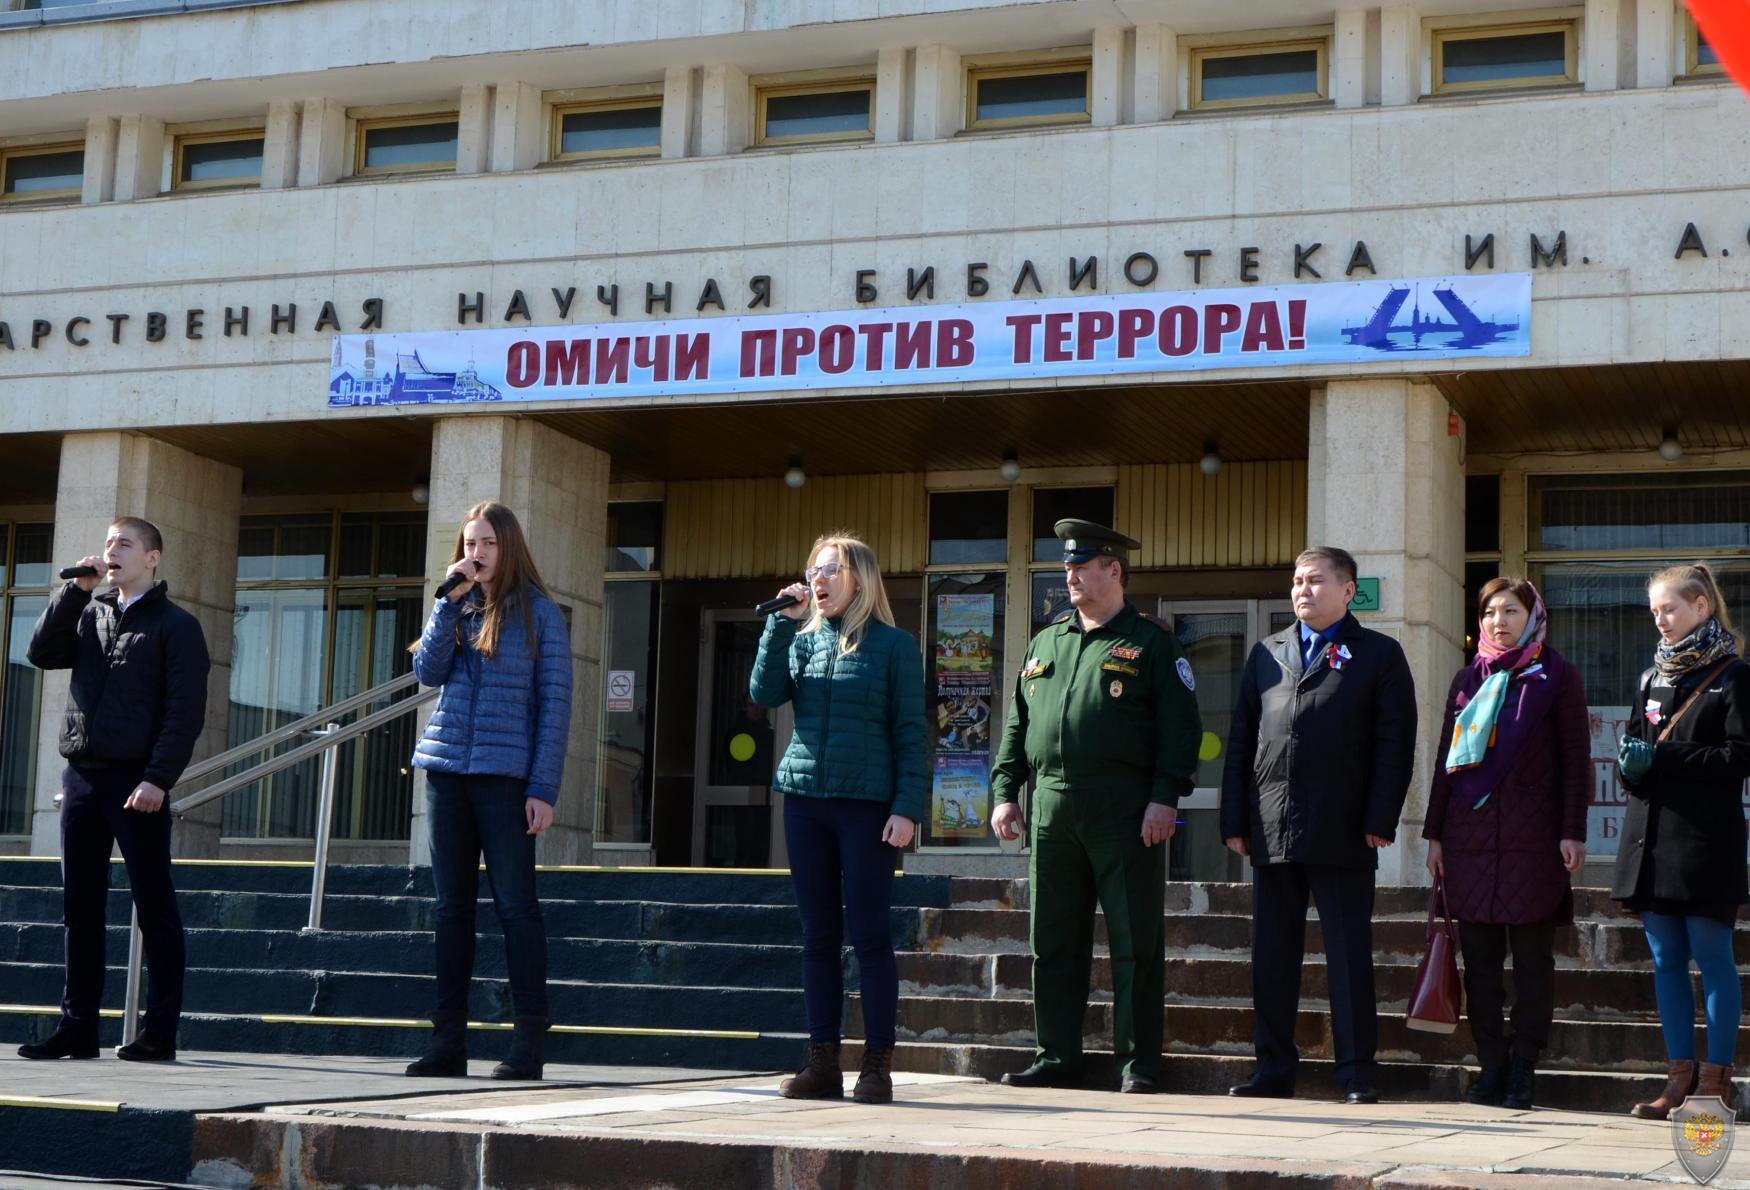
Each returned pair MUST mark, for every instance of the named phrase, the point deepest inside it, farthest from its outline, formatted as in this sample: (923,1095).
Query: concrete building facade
(205,206)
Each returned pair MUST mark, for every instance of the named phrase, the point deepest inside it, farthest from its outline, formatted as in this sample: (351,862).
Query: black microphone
(775,605)
(451,583)
(68,572)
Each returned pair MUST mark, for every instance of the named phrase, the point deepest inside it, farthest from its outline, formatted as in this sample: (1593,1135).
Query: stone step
(1208,1074)
(689,886)
(1227,1029)
(227,991)
(657,962)
(1580,992)
(565,919)
(607,1043)
(1595,942)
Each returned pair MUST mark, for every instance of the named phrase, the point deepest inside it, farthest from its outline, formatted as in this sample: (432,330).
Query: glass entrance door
(738,818)
(1216,637)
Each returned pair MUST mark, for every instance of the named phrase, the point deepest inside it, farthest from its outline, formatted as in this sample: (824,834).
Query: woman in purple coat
(1506,827)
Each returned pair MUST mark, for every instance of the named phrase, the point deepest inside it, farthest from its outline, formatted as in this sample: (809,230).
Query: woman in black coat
(1506,827)
(1681,866)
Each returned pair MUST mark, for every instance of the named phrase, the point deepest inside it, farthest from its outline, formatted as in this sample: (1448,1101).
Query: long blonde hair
(1693,580)
(870,601)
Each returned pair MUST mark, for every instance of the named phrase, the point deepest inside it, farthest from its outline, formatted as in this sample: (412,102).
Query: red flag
(1726,26)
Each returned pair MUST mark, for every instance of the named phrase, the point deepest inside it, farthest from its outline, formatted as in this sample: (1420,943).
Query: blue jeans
(843,874)
(470,817)
(1674,941)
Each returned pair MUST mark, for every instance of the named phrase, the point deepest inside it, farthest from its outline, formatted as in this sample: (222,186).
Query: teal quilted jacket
(860,727)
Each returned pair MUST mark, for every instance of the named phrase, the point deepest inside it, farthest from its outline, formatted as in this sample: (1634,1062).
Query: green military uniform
(1104,721)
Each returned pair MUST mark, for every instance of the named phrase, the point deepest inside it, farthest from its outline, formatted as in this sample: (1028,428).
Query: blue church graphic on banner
(402,379)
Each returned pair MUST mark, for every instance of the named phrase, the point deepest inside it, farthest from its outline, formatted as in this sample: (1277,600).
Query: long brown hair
(516,577)
(1691,582)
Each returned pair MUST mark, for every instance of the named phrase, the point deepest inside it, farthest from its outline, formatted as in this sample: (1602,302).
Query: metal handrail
(298,727)
(327,746)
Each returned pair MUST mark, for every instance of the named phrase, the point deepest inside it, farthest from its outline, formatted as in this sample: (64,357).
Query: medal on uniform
(1032,689)
(1117,688)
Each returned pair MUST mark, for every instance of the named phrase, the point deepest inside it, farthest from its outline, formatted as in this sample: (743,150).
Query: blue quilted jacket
(860,728)
(505,717)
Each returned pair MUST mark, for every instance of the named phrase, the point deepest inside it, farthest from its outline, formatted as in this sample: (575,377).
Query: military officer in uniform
(1104,722)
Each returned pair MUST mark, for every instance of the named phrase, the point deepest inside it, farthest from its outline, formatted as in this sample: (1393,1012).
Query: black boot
(69,1040)
(820,1076)
(149,1047)
(875,1083)
(1489,1087)
(1521,1082)
(527,1044)
(447,1055)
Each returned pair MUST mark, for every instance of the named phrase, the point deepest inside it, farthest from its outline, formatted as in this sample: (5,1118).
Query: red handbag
(1437,996)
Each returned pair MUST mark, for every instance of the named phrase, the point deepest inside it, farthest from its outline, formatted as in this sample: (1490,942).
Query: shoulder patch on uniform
(1066,617)
(1185,674)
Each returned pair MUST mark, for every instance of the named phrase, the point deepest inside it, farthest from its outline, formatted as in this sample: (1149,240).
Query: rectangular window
(218,159)
(1482,513)
(406,144)
(1699,511)
(42,172)
(24,555)
(1492,57)
(1240,76)
(965,624)
(1051,505)
(1021,96)
(813,113)
(613,128)
(628,715)
(1703,58)
(634,535)
(969,528)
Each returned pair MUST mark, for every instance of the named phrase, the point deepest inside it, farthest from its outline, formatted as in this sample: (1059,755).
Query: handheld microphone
(451,583)
(775,605)
(69,572)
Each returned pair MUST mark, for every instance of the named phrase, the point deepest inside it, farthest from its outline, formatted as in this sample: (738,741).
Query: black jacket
(139,688)
(1320,759)
(1683,832)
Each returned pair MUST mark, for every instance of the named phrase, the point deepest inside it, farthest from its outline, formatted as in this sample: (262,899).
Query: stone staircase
(965,1004)
(701,969)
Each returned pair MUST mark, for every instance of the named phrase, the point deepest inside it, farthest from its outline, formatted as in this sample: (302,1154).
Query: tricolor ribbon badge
(1337,655)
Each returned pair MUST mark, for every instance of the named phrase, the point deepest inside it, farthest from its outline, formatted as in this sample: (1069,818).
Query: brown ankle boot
(1678,1087)
(1716,1080)
(820,1076)
(875,1084)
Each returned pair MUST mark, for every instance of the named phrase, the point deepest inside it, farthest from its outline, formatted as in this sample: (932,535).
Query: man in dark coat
(135,709)
(1318,762)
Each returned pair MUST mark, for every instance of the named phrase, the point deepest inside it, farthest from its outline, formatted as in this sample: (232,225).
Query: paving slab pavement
(1296,1141)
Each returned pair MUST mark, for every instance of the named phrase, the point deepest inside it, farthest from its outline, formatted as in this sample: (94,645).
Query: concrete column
(518,130)
(195,502)
(1656,40)
(723,112)
(1400,56)
(891,95)
(1106,76)
(139,158)
(474,129)
(558,488)
(938,90)
(1349,58)
(1385,481)
(1608,52)
(99,182)
(279,146)
(1155,82)
(322,143)
(679,89)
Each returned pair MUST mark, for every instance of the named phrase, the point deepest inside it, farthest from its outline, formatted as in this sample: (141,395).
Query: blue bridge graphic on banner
(1466,330)
(403,379)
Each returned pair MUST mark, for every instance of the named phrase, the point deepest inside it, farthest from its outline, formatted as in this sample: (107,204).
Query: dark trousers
(843,875)
(1344,897)
(471,817)
(92,821)
(1534,969)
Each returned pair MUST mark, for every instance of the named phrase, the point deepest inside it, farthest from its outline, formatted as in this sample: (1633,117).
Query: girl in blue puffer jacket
(853,778)
(498,649)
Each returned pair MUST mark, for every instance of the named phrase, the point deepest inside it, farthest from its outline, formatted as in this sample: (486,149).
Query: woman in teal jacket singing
(854,780)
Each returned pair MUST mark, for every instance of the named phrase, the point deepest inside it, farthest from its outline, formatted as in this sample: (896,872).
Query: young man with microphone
(136,706)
